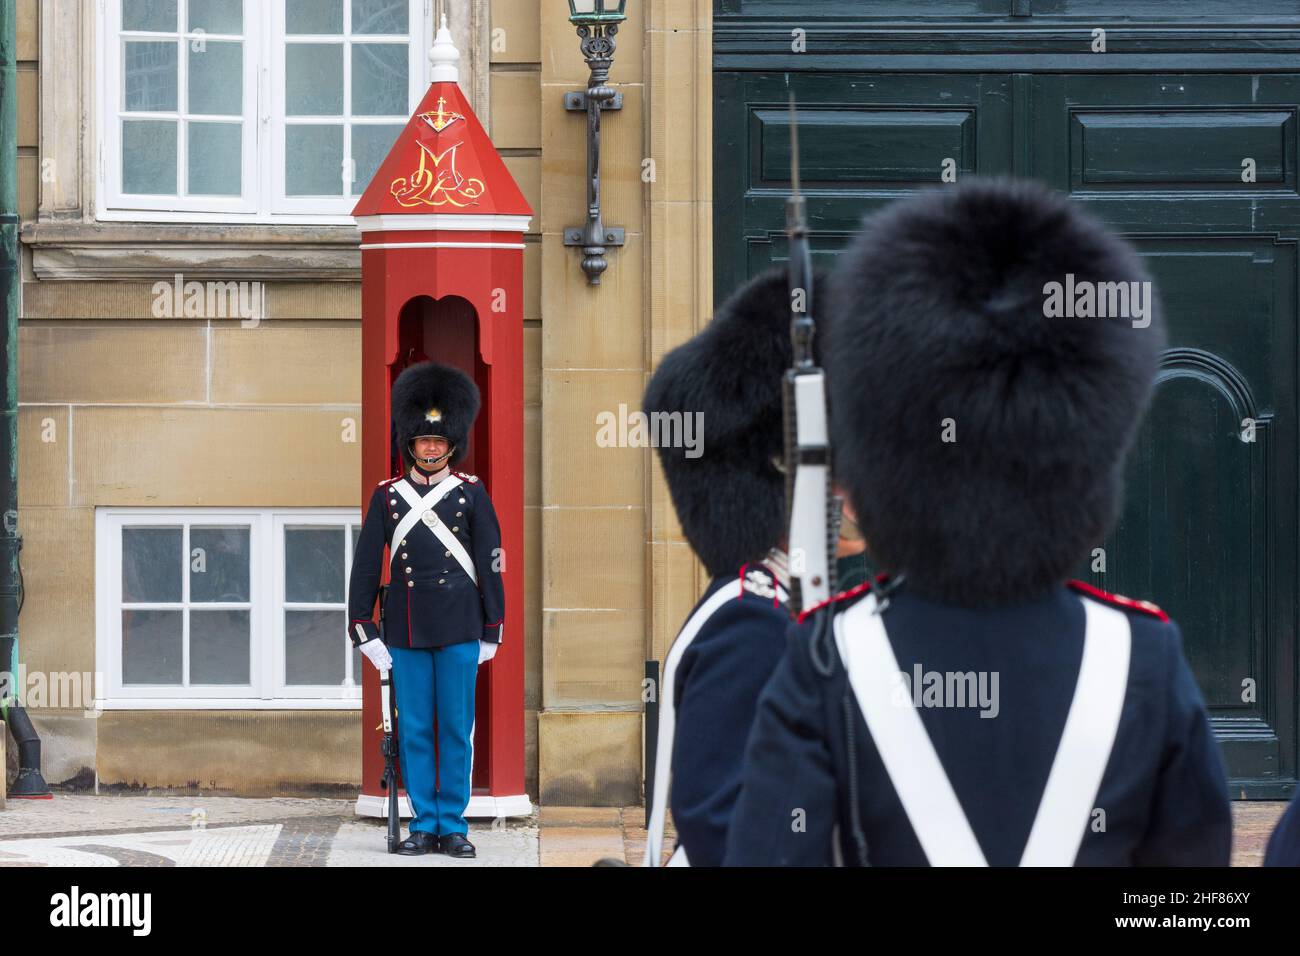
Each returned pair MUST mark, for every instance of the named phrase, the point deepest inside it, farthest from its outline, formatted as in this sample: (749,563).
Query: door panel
(1210,528)
(864,140)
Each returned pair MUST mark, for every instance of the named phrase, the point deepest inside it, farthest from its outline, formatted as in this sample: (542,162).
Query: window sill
(229,703)
(83,251)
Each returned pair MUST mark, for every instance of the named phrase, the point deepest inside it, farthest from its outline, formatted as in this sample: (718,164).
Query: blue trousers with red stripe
(435,731)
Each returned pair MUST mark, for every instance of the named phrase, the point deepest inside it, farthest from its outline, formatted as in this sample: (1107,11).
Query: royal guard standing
(976,707)
(444,608)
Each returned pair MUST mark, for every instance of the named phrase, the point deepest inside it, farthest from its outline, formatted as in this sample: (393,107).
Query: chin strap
(432,464)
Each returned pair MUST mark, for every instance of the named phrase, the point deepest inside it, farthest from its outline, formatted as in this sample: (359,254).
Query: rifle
(812,510)
(388,746)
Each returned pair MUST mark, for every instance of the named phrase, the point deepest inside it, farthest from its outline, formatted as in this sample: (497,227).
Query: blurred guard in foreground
(728,492)
(975,707)
(445,603)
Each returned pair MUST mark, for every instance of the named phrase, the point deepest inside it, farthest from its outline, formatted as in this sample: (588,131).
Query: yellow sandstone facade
(126,404)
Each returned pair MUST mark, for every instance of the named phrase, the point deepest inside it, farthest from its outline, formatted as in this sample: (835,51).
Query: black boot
(419,843)
(455,844)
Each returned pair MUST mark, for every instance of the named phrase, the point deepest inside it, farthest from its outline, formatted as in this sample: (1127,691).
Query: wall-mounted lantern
(597,22)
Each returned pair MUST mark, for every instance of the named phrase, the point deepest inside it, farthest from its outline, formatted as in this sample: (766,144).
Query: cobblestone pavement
(1252,824)
(171,830)
(168,830)
(579,836)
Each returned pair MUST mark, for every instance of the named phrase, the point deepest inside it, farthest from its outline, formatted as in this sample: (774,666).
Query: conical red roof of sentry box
(443,163)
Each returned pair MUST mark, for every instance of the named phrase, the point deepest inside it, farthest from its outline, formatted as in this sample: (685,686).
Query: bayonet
(811,508)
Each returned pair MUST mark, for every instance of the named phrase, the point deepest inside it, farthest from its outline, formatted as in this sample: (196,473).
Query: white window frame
(263,179)
(266,689)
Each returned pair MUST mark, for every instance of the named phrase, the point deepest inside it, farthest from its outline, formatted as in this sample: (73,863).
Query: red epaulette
(1118,600)
(390,481)
(465,477)
(844,595)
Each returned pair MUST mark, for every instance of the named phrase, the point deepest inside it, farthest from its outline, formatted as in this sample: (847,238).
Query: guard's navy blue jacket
(432,601)
(1284,844)
(1164,791)
(716,690)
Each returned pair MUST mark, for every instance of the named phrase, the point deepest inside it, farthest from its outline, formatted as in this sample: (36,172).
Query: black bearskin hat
(981,434)
(728,494)
(433,399)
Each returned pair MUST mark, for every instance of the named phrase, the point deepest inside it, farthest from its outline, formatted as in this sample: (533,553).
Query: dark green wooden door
(1152,139)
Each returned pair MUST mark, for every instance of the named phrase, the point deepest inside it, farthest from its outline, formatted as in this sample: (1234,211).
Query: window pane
(151,565)
(356,653)
(313,79)
(215,159)
(217,79)
(149,70)
(151,647)
(313,565)
(314,647)
(149,157)
(313,16)
(217,16)
(313,160)
(219,561)
(156,15)
(219,647)
(379,79)
(370,146)
(381,16)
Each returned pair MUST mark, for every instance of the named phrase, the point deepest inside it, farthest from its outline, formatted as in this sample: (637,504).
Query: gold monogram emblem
(440,120)
(435,181)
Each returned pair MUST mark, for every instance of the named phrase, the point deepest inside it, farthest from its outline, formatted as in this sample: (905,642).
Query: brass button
(446,554)
(408,570)
(458,514)
(410,584)
(394,514)
(392,501)
(462,500)
(455,529)
(442,580)
(403,543)
(403,555)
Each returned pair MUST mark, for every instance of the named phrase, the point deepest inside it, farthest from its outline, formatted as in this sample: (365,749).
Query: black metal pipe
(651,735)
(29,783)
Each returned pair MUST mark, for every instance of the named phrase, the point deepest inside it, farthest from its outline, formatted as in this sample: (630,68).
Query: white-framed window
(225,607)
(252,110)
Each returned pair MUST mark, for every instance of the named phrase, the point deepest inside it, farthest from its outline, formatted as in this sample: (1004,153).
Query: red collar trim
(844,595)
(1118,600)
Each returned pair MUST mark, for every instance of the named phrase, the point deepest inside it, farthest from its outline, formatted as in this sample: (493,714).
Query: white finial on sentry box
(444,56)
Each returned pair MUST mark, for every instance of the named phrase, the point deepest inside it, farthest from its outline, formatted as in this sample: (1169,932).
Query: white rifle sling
(918,776)
(441,531)
(730,591)
(905,748)
(808,559)
(385,697)
(1087,741)
(668,718)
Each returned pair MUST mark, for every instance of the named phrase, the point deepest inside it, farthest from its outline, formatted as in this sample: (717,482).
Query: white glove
(377,651)
(487,650)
